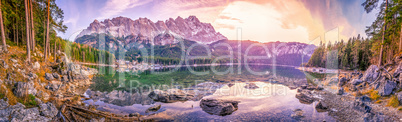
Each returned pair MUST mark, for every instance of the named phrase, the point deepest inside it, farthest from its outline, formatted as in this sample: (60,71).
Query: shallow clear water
(272,101)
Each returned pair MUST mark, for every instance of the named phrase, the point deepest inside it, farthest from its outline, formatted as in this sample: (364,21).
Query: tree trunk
(33,28)
(383,34)
(27,26)
(400,40)
(3,37)
(54,51)
(44,37)
(47,30)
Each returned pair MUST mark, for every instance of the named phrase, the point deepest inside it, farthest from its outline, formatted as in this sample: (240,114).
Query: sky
(307,21)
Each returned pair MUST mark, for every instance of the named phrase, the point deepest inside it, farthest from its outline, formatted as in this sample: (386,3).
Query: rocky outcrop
(171,95)
(18,113)
(371,74)
(153,108)
(161,32)
(48,110)
(24,88)
(219,107)
(321,106)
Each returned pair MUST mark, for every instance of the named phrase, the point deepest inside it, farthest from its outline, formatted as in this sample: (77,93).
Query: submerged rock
(371,74)
(153,108)
(305,96)
(171,95)
(219,107)
(251,86)
(298,114)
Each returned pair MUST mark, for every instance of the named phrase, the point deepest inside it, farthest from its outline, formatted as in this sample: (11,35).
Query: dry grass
(373,94)
(393,101)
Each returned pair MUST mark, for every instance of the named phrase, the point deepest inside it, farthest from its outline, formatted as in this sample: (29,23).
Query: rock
(320,87)
(251,86)
(48,110)
(3,104)
(43,95)
(356,82)
(32,75)
(3,64)
(342,81)
(340,91)
(219,107)
(321,106)
(386,88)
(55,75)
(371,74)
(19,114)
(64,78)
(136,114)
(13,60)
(298,114)
(399,95)
(310,88)
(398,71)
(37,100)
(171,95)
(371,117)
(153,108)
(49,76)
(361,106)
(305,96)
(303,86)
(231,84)
(22,88)
(36,66)
(364,98)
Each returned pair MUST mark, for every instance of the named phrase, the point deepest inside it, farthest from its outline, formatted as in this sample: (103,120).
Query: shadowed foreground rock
(219,107)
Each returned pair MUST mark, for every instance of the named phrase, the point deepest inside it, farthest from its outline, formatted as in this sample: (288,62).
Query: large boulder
(371,74)
(386,88)
(48,110)
(23,88)
(219,107)
(49,76)
(171,95)
(321,106)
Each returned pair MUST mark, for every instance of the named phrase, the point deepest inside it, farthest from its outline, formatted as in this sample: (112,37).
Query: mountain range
(180,37)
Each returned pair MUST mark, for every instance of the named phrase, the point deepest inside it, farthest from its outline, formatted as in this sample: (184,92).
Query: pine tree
(3,37)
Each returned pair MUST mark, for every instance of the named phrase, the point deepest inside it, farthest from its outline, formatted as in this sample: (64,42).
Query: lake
(273,100)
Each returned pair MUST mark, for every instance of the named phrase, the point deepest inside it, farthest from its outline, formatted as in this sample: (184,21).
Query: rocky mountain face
(286,53)
(159,33)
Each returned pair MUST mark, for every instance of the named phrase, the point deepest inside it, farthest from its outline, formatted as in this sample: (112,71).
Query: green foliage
(29,101)
(354,54)
(84,53)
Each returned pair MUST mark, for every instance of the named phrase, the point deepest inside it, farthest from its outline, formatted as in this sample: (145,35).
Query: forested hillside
(352,54)
(33,25)
(383,43)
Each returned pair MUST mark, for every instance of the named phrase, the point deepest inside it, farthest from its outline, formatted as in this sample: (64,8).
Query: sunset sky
(305,21)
